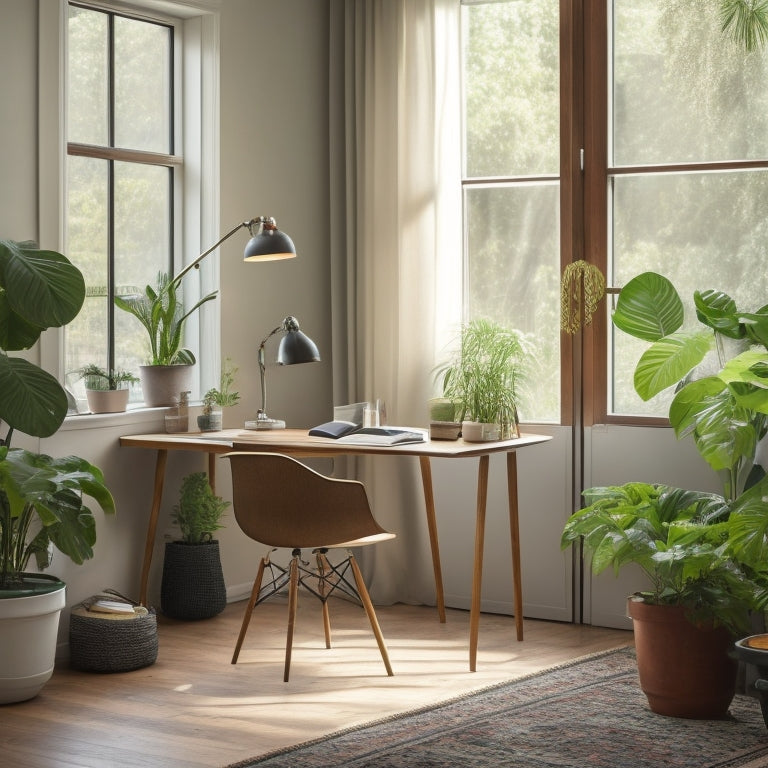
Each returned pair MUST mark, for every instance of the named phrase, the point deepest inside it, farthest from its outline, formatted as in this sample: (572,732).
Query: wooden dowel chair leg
(368,605)
(249,609)
(293,600)
(323,591)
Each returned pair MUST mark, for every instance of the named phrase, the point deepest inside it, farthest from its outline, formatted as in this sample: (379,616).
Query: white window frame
(197,212)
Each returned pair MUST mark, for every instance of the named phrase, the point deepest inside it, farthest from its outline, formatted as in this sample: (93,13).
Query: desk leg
(477,577)
(212,471)
(514,527)
(429,500)
(162,458)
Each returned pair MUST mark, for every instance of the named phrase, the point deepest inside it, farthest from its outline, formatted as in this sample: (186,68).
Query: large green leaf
(42,288)
(669,360)
(718,311)
(31,400)
(649,307)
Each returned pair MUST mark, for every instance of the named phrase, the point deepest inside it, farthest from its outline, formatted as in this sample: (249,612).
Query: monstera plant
(42,499)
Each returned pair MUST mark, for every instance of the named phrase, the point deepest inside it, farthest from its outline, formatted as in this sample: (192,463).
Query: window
(122,176)
(629,133)
(511,180)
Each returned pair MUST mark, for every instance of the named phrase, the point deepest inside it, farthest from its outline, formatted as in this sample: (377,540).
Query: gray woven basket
(111,642)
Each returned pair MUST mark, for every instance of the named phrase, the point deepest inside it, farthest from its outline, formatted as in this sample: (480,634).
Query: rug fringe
(427,707)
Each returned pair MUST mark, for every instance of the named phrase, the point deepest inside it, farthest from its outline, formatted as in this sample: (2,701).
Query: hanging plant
(580,279)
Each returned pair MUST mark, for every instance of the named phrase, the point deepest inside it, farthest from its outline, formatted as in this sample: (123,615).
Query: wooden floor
(194,708)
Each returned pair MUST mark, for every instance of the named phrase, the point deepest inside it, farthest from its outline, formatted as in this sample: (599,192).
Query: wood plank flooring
(194,709)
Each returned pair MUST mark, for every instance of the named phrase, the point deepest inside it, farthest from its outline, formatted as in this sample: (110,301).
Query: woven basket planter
(100,642)
(193,582)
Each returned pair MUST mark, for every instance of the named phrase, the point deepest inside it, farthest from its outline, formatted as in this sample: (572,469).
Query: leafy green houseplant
(193,582)
(484,376)
(42,499)
(215,399)
(106,390)
(161,312)
(704,553)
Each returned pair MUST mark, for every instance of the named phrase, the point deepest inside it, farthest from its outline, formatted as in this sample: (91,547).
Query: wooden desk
(294,442)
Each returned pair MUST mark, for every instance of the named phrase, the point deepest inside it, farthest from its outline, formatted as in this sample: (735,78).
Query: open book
(349,432)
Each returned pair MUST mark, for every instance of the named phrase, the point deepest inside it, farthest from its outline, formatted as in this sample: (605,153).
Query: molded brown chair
(281,502)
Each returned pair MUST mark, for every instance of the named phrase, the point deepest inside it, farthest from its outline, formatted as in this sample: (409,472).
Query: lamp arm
(196,263)
(263,370)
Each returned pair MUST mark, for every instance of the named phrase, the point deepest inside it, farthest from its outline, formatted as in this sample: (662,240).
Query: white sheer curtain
(396,243)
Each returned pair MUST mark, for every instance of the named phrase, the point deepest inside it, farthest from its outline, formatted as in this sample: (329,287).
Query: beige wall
(274,161)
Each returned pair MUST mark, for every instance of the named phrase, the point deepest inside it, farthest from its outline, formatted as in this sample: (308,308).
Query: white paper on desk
(384,436)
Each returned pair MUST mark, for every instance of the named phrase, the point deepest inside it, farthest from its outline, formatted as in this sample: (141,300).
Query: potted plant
(193,583)
(106,390)
(483,378)
(699,598)
(210,420)
(717,543)
(41,498)
(160,311)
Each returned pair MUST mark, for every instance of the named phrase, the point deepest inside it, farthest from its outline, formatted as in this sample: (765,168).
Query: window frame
(196,191)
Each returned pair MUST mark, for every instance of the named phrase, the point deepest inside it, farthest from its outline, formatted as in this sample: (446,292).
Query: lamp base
(259,424)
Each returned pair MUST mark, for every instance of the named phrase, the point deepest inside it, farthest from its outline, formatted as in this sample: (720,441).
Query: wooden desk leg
(514,527)
(162,458)
(477,577)
(429,500)
(212,471)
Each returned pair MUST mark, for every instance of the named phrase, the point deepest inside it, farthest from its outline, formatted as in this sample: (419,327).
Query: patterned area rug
(589,712)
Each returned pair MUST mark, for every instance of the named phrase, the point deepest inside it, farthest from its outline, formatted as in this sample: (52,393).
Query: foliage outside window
(121,175)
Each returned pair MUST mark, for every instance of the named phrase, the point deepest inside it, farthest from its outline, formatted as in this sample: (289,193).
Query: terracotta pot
(685,669)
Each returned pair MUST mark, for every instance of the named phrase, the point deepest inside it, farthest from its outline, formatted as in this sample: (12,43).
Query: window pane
(142,236)
(514,257)
(87,247)
(682,91)
(511,88)
(702,231)
(88,94)
(142,86)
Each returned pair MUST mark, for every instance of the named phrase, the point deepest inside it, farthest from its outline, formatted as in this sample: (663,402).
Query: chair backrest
(281,502)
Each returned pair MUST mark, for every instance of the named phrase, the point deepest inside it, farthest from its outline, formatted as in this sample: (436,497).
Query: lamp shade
(295,346)
(268,243)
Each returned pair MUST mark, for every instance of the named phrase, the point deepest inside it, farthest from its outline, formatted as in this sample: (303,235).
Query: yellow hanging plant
(580,278)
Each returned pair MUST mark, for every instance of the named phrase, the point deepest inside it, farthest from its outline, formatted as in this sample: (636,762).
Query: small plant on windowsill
(210,420)
(106,390)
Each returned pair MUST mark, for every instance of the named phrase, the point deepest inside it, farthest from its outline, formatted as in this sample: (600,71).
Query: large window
(632,134)
(511,180)
(122,176)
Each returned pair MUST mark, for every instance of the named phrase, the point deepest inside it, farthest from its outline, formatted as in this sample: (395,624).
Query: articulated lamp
(267,243)
(295,347)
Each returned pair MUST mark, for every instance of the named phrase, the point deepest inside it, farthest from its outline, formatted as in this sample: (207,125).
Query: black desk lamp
(267,243)
(295,347)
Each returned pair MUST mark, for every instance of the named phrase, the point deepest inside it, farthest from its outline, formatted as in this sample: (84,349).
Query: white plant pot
(29,628)
(107,401)
(480,432)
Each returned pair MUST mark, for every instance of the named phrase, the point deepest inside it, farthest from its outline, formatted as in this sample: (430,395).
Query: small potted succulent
(210,420)
(106,390)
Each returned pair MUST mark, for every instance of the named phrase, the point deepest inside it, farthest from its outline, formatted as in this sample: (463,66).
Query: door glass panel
(682,91)
(700,230)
